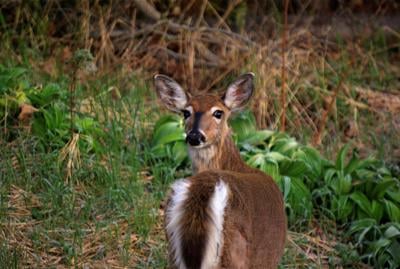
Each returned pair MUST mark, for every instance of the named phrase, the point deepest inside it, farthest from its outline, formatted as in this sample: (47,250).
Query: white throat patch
(203,158)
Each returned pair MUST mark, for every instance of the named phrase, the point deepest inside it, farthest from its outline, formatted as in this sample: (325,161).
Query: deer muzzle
(195,138)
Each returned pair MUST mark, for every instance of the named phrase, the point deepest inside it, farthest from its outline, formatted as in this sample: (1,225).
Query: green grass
(10,258)
(109,207)
(109,210)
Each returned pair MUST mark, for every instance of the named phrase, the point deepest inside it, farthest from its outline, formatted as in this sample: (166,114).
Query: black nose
(195,138)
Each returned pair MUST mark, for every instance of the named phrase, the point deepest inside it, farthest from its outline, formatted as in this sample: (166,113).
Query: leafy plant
(380,244)
(168,140)
(361,195)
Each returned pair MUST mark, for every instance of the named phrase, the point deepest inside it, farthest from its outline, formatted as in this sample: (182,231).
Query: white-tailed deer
(227,215)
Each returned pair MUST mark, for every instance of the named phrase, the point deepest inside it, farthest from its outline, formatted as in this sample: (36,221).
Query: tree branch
(147,9)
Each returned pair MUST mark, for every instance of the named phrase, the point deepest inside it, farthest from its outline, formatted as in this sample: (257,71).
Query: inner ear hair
(239,92)
(170,93)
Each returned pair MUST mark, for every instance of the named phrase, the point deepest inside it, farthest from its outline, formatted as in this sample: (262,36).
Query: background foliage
(87,155)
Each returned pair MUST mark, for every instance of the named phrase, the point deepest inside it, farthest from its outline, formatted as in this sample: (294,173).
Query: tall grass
(106,206)
(88,189)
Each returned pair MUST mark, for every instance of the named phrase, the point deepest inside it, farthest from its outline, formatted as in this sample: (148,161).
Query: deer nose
(195,138)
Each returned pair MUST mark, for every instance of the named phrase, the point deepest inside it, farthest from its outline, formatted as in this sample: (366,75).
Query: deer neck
(222,155)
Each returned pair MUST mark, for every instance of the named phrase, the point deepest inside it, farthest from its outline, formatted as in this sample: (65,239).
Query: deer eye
(186,113)
(218,114)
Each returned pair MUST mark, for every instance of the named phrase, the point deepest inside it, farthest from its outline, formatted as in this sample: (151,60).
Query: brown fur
(255,224)
(195,223)
(254,229)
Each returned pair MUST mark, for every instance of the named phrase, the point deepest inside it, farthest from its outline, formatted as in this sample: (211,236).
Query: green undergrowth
(85,169)
(87,187)
(361,196)
(79,188)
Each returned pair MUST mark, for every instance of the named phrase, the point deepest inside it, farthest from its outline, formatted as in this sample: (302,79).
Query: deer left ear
(239,92)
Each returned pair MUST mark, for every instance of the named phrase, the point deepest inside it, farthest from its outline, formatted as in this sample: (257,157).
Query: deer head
(205,115)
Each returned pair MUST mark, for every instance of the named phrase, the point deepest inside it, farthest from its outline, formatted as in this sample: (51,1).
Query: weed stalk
(321,127)
(283,92)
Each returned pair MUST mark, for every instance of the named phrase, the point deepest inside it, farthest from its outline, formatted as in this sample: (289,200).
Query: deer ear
(170,93)
(239,92)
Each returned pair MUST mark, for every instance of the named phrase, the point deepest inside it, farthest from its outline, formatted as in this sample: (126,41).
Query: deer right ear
(239,92)
(170,93)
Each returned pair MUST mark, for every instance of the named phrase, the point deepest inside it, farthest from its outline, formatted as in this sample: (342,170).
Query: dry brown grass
(202,51)
(197,44)
(116,246)
(110,246)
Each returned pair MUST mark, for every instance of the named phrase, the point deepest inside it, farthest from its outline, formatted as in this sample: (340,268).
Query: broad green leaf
(356,163)
(365,174)
(352,165)
(292,168)
(312,159)
(377,245)
(84,124)
(243,124)
(45,96)
(362,224)
(56,119)
(257,160)
(376,210)
(343,207)
(341,157)
(299,188)
(392,210)
(329,175)
(249,150)
(300,198)
(392,231)
(90,144)
(9,77)
(174,136)
(394,195)
(369,162)
(394,251)
(168,132)
(168,118)
(279,136)
(159,151)
(382,187)
(39,127)
(362,201)
(179,151)
(274,156)
(285,146)
(384,171)
(382,259)
(271,168)
(362,227)
(344,183)
(287,182)
(256,137)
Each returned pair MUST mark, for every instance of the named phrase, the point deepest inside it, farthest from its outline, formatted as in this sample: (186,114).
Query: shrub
(361,195)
